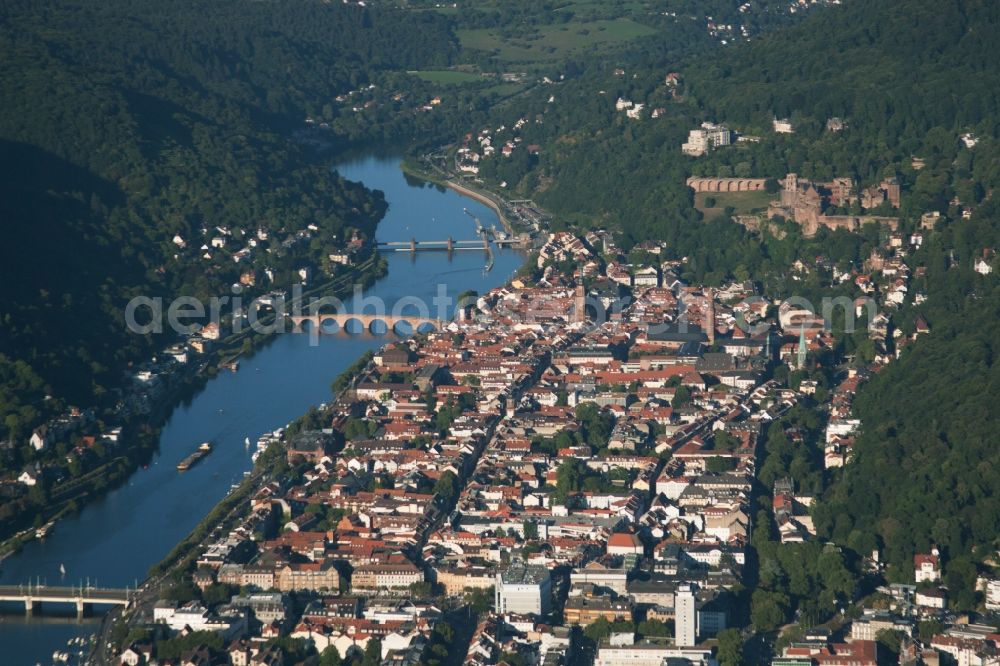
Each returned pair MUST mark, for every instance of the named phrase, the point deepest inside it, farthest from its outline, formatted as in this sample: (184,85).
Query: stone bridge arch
(361,324)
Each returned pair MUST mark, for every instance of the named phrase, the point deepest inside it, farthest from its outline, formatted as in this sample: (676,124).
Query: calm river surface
(115,540)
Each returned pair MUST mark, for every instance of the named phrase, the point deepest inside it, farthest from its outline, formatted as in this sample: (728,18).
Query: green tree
(446,487)
(480,600)
(768,609)
(890,639)
(569,478)
(373,653)
(598,630)
(330,657)
(927,629)
(653,628)
(730,651)
(218,593)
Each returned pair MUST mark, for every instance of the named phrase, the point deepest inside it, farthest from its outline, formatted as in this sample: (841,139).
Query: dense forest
(127,123)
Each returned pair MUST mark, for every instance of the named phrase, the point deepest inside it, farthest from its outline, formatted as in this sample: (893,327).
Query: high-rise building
(708,136)
(686,616)
(697,143)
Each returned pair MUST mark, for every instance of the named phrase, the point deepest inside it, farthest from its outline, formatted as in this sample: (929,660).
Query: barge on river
(190,461)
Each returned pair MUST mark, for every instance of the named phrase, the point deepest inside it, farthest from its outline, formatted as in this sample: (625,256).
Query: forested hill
(906,76)
(927,467)
(127,122)
(881,64)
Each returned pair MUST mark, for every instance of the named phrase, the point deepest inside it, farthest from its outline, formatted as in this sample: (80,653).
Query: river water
(112,542)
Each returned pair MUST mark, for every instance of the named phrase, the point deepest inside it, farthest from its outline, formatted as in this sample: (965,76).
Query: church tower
(800,356)
(710,316)
(580,300)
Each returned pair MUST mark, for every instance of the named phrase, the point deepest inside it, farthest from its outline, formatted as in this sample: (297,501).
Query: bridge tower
(413,244)
(451,244)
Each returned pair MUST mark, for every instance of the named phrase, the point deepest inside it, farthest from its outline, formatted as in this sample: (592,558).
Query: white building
(647,277)
(39,438)
(927,567)
(708,136)
(198,618)
(686,621)
(523,589)
(649,654)
(933,598)
(783,126)
(993,594)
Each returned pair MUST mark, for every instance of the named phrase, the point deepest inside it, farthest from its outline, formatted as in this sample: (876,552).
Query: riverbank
(463,270)
(411,168)
(139,437)
(339,386)
(170,509)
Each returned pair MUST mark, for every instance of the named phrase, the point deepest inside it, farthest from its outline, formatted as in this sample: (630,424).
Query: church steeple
(800,357)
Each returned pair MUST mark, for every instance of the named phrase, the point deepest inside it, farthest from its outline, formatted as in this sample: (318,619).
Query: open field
(552,42)
(742,202)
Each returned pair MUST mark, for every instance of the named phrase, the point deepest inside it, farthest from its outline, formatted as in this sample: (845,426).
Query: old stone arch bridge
(367,322)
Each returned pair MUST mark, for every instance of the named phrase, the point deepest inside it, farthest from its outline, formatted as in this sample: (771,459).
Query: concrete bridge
(366,321)
(449,245)
(83,597)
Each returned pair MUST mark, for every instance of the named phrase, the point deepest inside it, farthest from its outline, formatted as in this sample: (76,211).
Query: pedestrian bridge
(367,323)
(82,597)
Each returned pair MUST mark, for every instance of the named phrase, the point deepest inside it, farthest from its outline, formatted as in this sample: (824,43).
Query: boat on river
(190,461)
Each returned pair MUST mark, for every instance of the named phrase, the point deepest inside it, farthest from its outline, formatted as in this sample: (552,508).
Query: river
(113,541)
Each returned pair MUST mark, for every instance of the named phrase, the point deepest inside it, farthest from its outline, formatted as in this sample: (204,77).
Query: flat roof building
(523,589)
